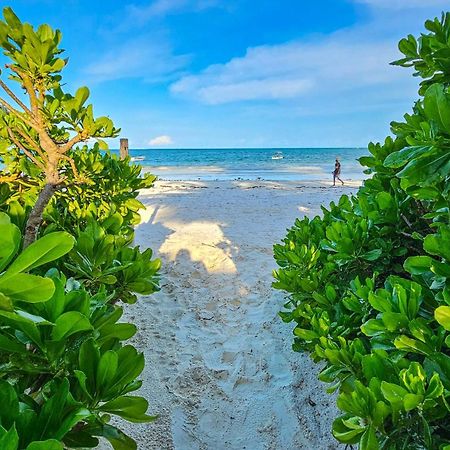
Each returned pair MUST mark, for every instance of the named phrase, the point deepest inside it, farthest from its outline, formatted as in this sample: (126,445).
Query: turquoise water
(250,164)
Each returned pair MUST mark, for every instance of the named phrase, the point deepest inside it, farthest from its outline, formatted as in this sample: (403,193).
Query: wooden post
(123,148)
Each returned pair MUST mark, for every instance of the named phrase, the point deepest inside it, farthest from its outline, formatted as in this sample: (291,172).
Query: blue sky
(239,73)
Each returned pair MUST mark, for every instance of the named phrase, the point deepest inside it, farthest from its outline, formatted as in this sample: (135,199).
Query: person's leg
(340,180)
(334,179)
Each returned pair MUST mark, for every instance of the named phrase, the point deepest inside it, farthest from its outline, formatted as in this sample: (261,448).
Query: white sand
(219,366)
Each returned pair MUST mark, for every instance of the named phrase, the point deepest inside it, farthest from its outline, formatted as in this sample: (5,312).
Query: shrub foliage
(65,366)
(368,283)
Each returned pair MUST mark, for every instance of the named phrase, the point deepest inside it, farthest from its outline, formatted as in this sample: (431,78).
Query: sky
(239,73)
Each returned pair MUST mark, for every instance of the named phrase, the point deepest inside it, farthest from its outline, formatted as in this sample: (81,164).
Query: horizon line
(241,148)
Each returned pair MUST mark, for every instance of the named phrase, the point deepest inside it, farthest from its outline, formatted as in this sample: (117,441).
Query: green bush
(368,283)
(105,190)
(64,369)
(101,258)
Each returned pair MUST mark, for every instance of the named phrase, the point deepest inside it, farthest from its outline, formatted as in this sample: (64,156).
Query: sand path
(219,367)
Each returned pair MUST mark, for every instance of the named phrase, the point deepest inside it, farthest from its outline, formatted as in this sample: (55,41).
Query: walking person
(337,172)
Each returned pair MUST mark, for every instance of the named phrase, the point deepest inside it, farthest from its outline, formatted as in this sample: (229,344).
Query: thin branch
(28,85)
(34,145)
(27,152)
(406,220)
(14,97)
(68,145)
(37,114)
(18,114)
(72,164)
(8,178)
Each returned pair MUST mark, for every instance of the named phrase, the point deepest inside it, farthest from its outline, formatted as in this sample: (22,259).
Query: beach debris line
(69,367)
(368,282)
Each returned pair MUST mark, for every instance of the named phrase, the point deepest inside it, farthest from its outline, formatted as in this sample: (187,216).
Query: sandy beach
(220,371)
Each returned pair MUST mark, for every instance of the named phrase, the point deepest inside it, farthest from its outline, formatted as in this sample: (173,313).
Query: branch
(28,85)
(69,144)
(406,220)
(14,97)
(36,113)
(27,152)
(8,178)
(18,114)
(38,122)
(72,164)
(35,218)
(35,146)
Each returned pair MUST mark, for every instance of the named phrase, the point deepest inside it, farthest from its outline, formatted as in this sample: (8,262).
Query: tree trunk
(35,218)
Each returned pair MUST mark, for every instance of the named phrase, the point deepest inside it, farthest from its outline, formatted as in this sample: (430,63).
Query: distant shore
(309,174)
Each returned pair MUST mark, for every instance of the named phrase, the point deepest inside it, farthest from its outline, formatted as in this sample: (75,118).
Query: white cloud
(292,70)
(160,141)
(346,63)
(151,59)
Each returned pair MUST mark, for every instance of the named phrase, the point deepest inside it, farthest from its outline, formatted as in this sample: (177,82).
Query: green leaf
(10,238)
(418,265)
(13,346)
(50,444)
(10,440)
(117,438)
(89,358)
(372,255)
(369,440)
(307,335)
(46,249)
(412,345)
(400,158)
(70,323)
(437,106)
(438,244)
(373,327)
(435,387)
(81,96)
(52,410)
(442,315)
(106,370)
(392,392)
(411,401)
(12,20)
(128,407)
(10,404)
(394,321)
(26,287)
(384,200)
(102,145)
(439,363)
(348,431)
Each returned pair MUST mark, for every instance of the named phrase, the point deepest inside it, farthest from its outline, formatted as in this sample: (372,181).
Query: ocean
(250,163)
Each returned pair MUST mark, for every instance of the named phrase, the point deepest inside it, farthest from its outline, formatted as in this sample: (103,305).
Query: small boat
(277,155)
(138,158)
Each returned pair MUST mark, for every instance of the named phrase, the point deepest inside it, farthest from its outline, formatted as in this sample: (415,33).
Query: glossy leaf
(44,250)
